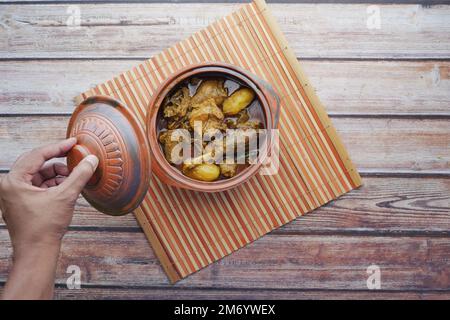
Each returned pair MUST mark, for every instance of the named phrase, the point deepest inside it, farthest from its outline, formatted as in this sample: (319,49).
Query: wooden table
(387,91)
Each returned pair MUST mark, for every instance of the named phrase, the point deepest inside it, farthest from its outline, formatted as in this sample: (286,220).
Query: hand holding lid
(106,128)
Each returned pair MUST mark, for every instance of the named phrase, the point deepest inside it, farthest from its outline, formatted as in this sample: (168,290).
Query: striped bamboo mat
(190,230)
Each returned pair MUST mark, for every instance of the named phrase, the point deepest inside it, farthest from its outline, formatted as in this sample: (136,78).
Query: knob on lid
(106,128)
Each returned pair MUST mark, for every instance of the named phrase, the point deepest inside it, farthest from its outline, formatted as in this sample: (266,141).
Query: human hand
(37,200)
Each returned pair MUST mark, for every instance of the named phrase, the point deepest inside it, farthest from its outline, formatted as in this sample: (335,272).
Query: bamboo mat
(190,230)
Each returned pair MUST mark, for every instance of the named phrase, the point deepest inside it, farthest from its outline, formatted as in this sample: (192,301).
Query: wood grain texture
(393,116)
(169,293)
(274,261)
(260,294)
(424,2)
(408,145)
(381,206)
(344,87)
(141,30)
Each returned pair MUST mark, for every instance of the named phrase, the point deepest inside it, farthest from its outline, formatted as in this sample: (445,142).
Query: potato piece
(210,89)
(228,170)
(203,172)
(238,101)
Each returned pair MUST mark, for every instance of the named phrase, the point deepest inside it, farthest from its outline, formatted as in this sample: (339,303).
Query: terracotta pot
(106,128)
(171,175)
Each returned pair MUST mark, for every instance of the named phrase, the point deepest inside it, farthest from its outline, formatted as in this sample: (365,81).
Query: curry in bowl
(209,127)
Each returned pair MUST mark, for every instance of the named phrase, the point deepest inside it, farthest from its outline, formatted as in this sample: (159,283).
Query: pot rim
(176,176)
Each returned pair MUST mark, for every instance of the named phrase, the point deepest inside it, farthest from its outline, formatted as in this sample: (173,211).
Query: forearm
(37,199)
(33,273)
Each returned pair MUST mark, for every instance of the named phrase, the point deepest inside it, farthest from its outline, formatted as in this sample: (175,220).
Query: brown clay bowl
(171,175)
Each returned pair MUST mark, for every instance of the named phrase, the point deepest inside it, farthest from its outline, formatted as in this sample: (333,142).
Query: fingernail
(93,160)
(71,140)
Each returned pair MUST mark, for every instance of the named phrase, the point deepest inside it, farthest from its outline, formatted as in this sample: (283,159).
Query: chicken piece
(241,143)
(230,123)
(241,117)
(249,124)
(210,89)
(213,125)
(209,114)
(213,151)
(244,122)
(238,101)
(182,123)
(228,170)
(166,139)
(177,105)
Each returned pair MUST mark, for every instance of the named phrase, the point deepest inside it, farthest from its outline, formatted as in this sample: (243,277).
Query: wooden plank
(397,144)
(274,261)
(260,294)
(381,206)
(141,30)
(175,293)
(423,2)
(409,145)
(52,85)
(345,87)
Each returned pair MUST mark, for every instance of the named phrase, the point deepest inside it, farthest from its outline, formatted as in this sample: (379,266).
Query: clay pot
(171,175)
(106,128)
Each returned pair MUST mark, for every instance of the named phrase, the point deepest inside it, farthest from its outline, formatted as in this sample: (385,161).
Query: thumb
(80,175)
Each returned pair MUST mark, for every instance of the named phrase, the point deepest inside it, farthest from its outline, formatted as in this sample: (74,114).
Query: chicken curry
(212,106)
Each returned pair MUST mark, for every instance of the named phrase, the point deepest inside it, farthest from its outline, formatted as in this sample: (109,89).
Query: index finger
(31,162)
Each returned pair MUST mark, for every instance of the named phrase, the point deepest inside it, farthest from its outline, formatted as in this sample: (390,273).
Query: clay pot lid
(106,128)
